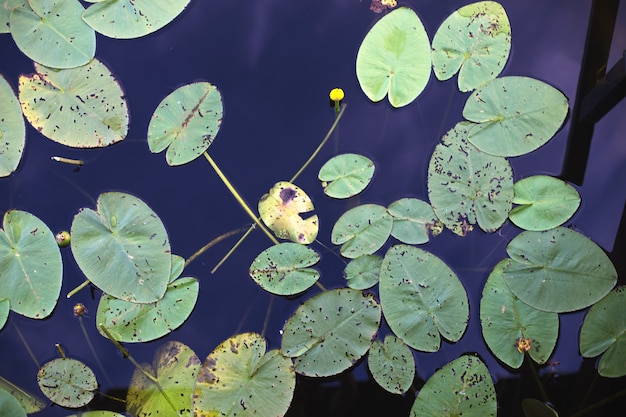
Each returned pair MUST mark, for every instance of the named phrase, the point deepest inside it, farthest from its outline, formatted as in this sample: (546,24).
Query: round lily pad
(123,248)
(392,364)
(240,378)
(12,129)
(331,331)
(363,272)
(346,175)
(80,107)
(67,382)
(413,221)
(362,230)
(394,58)
(186,122)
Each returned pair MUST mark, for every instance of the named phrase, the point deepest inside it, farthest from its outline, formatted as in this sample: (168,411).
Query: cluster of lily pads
(122,247)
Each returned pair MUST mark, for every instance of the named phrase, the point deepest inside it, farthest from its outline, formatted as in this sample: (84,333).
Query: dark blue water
(274,63)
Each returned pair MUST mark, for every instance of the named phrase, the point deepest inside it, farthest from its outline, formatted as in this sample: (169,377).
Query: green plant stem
(80,287)
(93,351)
(213,243)
(141,369)
(599,404)
(530,363)
(30,352)
(238,197)
(321,145)
(230,252)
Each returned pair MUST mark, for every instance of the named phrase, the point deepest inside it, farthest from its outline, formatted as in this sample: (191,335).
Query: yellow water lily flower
(336,94)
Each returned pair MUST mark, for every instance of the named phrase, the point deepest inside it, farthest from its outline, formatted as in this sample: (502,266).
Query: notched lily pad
(12,129)
(363,272)
(346,175)
(280,210)
(362,230)
(392,364)
(414,221)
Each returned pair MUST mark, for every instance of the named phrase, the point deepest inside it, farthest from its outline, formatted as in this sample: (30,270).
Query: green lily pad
(363,272)
(283,269)
(280,210)
(474,41)
(186,122)
(422,298)
(535,408)
(394,58)
(346,175)
(53,33)
(413,221)
(558,270)
(544,203)
(12,129)
(10,406)
(461,388)
(467,186)
(178,264)
(175,367)
(604,332)
(80,107)
(123,248)
(29,402)
(98,413)
(392,364)
(5,13)
(240,378)
(5,307)
(126,19)
(362,230)
(514,115)
(67,382)
(331,331)
(30,265)
(133,322)
(505,320)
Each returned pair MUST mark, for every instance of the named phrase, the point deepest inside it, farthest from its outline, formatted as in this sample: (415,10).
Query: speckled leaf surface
(362,230)
(414,221)
(9,406)
(31,403)
(474,41)
(346,175)
(80,107)
(125,19)
(240,379)
(123,248)
(392,364)
(186,122)
(604,332)
(560,261)
(283,269)
(463,387)
(175,366)
(133,322)
(53,33)
(67,382)
(30,265)
(363,272)
(505,319)
(467,186)
(331,331)
(514,115)
(5,13)
(280,210)
(12,129)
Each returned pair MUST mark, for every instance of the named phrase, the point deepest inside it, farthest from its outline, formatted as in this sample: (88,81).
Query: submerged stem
(213,243)
(93,351)
(230,252)
(30,352)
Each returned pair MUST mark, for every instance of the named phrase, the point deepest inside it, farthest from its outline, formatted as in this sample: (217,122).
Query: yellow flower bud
(336,94)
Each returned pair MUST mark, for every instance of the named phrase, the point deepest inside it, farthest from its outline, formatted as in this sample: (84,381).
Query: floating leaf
(461,388)
(9,406)
(604,332)
(466,185)
(5,13)
(331,331)
(30,265)
(5,307)
(175,367)
(125,19)
(80,107)
(53,33)
(186,122)
(12,129)
(413,221)
(97,413)
(280,210)
(123,248)
(535,408)
(283,269)
(67,382)
(363,272)
(475,40)
(394,58)
(544,202)
(392,364)
(240,378)
(178,264)
(515,115)
(505,320)
(362,230)
(133,322)
(31,403)
(548,265)
(346,175)
(421,297)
